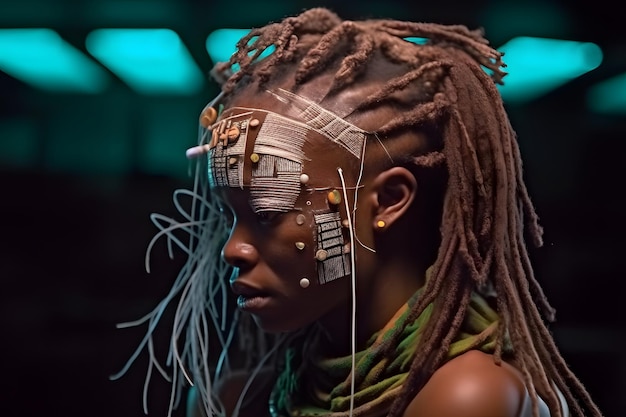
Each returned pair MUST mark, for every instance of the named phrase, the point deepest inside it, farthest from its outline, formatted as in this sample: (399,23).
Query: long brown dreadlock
(486,207)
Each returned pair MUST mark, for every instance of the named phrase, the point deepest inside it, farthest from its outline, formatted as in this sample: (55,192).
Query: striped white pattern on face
(226,155)
(325,122)
(275,183)
(334,263)
(278,149)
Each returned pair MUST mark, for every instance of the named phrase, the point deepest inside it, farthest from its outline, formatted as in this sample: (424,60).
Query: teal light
(416,40)
(608,96)
(539,65)
(150,61)
(40,57)
(222,43)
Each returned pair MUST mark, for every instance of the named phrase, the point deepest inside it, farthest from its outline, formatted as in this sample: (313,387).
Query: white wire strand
(358,185)
(353,280)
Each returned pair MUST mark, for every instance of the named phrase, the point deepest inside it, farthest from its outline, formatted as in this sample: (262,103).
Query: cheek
(318,238)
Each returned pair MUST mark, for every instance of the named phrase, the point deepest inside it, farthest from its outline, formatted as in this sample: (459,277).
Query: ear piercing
(304,283)
(381,224)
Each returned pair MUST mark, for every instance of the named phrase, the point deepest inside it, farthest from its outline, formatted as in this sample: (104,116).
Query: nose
(239,251)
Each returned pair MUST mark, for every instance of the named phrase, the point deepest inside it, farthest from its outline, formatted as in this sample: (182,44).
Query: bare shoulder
(472,385)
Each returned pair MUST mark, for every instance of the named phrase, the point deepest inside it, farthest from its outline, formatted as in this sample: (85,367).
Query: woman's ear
(394,192)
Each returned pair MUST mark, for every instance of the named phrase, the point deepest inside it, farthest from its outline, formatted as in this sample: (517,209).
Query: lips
(249,298)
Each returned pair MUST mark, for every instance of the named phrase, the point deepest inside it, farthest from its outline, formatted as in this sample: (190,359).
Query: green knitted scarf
(310,386)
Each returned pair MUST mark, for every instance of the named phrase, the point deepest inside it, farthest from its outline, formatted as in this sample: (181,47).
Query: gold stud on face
(233,133)
(208,117)
(334,197)
(321,255)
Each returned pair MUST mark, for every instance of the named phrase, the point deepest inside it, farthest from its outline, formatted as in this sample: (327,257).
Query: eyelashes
(268,217)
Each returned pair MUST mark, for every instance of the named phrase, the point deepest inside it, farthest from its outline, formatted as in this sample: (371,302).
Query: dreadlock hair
(486,208)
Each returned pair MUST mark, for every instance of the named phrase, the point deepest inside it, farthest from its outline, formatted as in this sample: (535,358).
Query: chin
(277,326)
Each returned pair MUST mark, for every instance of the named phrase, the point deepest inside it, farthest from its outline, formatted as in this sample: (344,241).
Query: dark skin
(470,385)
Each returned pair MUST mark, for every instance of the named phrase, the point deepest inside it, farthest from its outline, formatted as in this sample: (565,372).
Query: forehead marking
(273,165)
(275,181)
(325,122)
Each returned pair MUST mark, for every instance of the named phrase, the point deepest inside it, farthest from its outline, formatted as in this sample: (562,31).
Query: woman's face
(289,242)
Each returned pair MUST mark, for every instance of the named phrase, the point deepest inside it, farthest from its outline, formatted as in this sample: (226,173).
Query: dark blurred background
(81,173)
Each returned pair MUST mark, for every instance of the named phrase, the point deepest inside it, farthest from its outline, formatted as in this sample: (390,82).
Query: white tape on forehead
(325,122)
(275,183)
(221,171)
(275,176)
(280,136)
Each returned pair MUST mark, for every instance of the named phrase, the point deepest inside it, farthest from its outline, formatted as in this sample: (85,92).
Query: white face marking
(264,151)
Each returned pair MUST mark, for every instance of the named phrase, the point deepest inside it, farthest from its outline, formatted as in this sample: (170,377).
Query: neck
(378,298)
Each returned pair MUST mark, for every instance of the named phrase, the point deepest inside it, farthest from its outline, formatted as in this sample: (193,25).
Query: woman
(364,188)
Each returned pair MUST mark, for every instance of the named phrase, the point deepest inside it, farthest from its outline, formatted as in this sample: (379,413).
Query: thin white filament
(358,185)
(353,280)
(200,281)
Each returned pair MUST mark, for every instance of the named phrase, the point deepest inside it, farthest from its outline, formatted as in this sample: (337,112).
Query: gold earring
(380,224)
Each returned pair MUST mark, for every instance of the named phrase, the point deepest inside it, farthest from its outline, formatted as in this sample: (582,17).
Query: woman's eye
(267,217)
(228,215)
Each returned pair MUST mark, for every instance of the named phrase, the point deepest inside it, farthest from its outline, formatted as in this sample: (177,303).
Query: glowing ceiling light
(40,57)
(539,65)
(151,61)
(222,43)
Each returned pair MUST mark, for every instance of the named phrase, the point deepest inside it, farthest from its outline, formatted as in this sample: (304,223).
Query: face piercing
(380,224)
(334,197)
(300,219)
(208,117)
(300,245)
(233,133)
(321,255)
(304,283)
